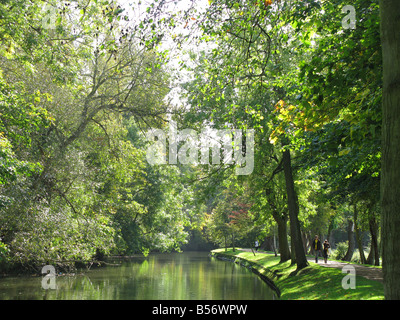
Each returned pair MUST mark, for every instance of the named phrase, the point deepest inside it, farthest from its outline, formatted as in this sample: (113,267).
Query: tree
(232,220)
(280,216)
(74,178)
(390,189)
(321,102)
(293,205)
(21,120)
(243,90)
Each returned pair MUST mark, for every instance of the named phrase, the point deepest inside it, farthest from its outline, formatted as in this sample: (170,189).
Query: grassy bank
(311,283)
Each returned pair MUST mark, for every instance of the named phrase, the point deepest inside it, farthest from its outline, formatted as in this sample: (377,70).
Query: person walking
(326,248)
(317,247)
(256,245)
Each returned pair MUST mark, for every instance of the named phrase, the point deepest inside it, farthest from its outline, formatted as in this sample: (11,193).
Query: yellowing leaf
(344,152)
(273,140)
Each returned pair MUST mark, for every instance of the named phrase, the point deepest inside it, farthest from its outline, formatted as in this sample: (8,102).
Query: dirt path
(363,271)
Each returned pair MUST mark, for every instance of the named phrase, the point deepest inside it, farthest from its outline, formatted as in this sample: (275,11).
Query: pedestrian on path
(326,248)
(317,247)
(256,245)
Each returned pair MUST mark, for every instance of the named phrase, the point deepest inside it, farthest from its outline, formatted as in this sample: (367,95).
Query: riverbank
(314,282)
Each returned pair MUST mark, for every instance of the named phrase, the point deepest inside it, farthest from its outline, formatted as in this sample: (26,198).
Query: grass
(311,283)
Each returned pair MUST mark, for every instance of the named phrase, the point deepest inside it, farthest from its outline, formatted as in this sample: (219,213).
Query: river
(172,276)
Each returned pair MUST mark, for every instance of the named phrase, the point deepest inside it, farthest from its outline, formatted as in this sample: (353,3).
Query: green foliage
(231,221)
(76,93)
(340,251)
(75,183)
(3,252)
(20,119)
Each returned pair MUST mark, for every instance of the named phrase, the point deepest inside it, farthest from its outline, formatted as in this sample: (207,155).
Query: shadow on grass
(313,282)
(318,283)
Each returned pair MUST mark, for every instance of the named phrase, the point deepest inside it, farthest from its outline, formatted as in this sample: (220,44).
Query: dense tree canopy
(76,91)
(81,82)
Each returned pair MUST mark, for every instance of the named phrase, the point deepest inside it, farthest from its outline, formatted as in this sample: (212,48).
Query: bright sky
(136,9)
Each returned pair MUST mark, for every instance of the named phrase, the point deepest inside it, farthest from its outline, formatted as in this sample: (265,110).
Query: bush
(3,251)
(356,256)
(340,251)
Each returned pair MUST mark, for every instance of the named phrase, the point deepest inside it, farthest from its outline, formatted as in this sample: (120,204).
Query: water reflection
(176,276)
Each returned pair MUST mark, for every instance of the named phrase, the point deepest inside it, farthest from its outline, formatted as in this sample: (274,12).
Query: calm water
(175,276)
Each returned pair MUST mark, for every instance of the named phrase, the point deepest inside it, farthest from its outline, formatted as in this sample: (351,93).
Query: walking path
(366,272)
(363,271)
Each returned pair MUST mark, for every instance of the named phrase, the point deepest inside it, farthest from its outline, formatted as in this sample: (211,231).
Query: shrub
(3,251)
(340,251)
(356,256)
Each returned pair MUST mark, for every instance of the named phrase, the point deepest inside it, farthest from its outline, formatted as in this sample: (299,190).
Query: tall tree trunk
(282,238)
(350,235)
(293,205)
(268,244)
(358,235)
(273,245)
(292,250)
(330,228)
(281,220)
(276,248)
(226,243)
(390,174)
(373,228)
(309,243)
(371,254)
(304,237)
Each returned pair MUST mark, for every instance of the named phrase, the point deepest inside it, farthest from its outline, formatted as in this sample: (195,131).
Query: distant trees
(231,222)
